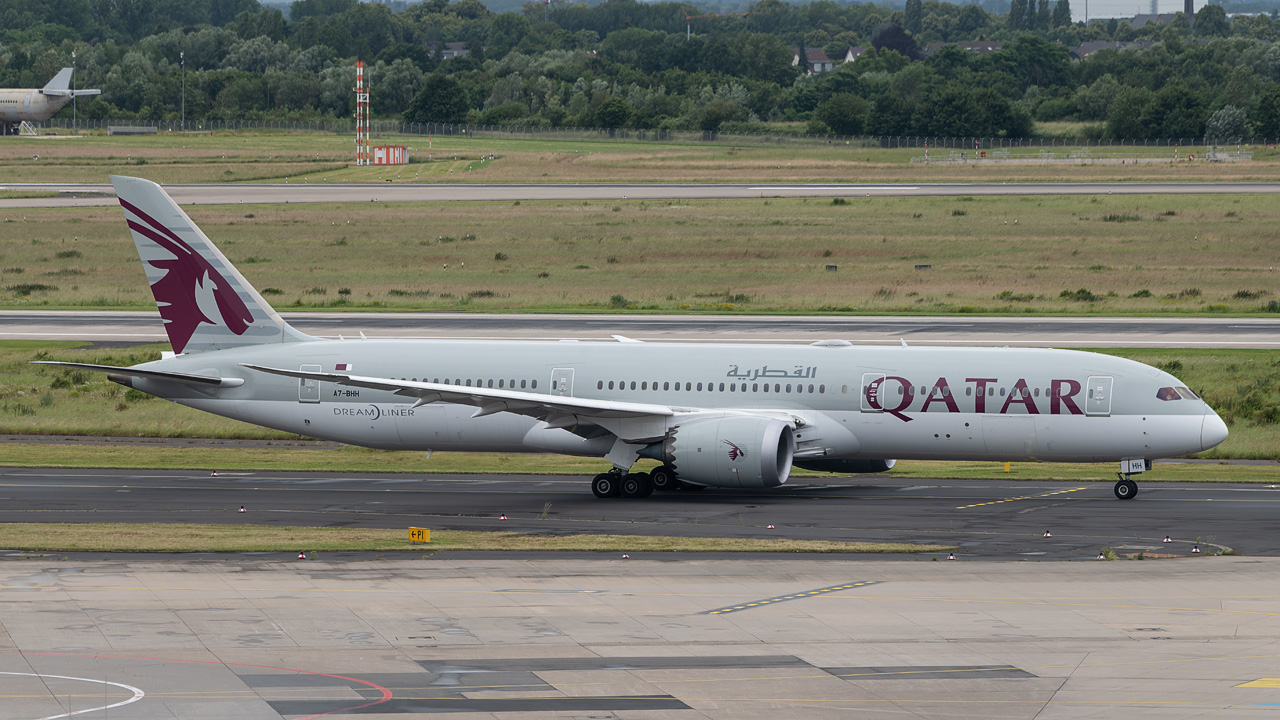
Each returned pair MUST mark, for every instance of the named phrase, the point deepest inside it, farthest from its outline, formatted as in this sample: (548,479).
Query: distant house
(977,47)
(853,53)
(1139,21)
(814,60)
(1086,49)
(451,50)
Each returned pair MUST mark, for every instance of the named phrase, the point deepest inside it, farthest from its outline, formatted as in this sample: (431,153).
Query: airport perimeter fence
(394,127)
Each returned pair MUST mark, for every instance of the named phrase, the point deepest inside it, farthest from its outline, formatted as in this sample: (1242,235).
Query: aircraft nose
(1212,431)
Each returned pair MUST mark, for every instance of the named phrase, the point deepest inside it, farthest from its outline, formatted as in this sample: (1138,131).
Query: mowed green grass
(320,157)
(175,537)
(1242,385)
(1108,254)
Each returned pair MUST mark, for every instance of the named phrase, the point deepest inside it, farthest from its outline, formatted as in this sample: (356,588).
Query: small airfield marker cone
(1048,534)
(241,508)
(951,556)
(769,527)
(1101,555)
(213,474)
(1195,549)
(503,516)
(626,556)
(1168,539)
(302,556)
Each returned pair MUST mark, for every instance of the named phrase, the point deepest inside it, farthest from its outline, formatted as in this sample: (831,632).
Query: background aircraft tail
(60,82)
(206,304)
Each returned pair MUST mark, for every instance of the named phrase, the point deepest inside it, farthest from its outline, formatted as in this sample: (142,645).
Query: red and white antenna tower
(362,116)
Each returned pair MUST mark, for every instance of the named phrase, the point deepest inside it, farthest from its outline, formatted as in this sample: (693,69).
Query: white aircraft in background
(720,415)
(32,105)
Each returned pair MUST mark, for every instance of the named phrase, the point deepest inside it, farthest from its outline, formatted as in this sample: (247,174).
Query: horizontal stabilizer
(184,378)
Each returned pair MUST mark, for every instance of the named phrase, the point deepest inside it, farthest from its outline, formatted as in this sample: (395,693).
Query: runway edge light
(422,535)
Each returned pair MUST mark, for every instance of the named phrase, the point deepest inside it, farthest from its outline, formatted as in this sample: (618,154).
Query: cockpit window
(1186,393)
(1168,393)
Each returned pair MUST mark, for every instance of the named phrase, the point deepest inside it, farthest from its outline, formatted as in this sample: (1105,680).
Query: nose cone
(1212,431)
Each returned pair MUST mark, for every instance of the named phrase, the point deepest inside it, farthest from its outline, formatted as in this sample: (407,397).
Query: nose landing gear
(1125,488)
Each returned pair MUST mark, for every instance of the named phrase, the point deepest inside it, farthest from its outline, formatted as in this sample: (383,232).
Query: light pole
(73,92)
(182,57)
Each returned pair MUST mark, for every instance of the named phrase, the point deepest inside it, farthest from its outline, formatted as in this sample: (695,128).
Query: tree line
(649,65)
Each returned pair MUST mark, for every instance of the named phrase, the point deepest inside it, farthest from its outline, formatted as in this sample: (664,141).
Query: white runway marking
(137,694)
(834,188)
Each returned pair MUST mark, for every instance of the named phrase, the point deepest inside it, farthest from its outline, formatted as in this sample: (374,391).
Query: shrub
(618,302)
(28,288)
(1081,295)
(67,254)
(1120,218)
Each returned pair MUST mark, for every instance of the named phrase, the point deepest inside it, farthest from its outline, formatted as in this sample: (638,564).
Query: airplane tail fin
(206,304)
(60,84)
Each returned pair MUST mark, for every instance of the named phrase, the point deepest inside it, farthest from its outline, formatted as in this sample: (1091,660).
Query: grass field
(1242,385)
(1061,255)
(162,537)
(317,157)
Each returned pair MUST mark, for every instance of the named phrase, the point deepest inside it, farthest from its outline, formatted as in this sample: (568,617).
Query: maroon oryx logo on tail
(188,279)
(735,452)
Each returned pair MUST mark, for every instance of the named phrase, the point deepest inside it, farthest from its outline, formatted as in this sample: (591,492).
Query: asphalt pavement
(989,519)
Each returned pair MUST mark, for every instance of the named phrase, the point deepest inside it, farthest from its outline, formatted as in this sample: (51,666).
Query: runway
(89,194)
(995,634)
(145,327)
(990,519)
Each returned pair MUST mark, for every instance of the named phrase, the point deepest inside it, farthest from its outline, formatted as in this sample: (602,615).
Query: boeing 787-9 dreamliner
(718,415)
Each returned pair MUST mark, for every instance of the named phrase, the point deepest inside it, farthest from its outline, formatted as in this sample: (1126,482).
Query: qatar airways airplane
(719,415)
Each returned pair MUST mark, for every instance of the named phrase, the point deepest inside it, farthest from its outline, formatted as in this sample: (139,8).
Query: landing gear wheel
(637,485)
(606,485)
(1126,489)
(664,479)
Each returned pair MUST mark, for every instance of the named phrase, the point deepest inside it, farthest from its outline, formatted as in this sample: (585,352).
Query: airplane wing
(184,378)
(490,400)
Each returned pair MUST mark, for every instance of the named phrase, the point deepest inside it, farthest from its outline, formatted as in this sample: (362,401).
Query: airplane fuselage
(29,105)
(852,402)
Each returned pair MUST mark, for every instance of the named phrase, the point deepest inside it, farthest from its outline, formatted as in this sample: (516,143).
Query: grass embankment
(1242,385)
(1135,255)
(178,538)
(319,157)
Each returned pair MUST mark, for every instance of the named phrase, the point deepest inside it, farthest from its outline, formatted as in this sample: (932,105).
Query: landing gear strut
(1125,488)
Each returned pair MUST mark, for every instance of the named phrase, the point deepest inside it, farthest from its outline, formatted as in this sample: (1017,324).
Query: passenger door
(562,382)
(308,389)
(1098,401)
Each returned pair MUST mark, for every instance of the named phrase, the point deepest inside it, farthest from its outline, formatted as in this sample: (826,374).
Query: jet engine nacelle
(847,466)
(737,451)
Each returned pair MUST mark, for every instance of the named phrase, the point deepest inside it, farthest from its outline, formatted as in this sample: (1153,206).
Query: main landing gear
(619,484)
(616,483)
(1125,489)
